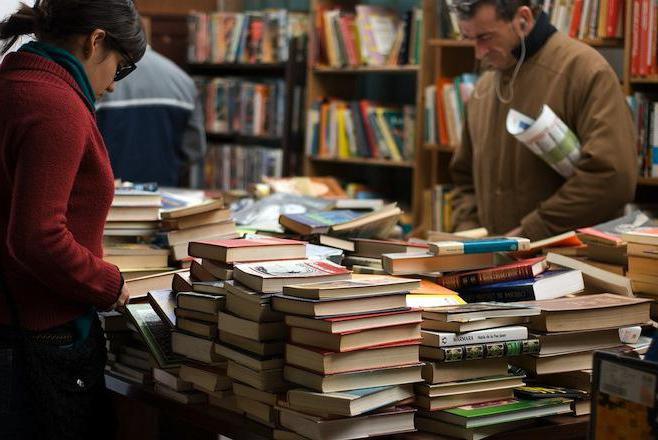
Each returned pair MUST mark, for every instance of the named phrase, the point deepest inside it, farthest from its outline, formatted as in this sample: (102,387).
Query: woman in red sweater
(56,187)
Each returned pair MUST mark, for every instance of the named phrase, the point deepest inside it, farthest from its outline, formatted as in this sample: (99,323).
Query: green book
(156,334)
(502,411)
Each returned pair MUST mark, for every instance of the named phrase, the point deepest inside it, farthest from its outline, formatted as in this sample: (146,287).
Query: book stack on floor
(643,260)
(606,249)
(466,349)
(353,347)
(569,330)
(208,220)
(250,334)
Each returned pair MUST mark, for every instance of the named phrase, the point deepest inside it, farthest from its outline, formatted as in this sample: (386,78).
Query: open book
(548,137)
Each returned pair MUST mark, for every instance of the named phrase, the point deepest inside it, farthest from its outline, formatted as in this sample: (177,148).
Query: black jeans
(20,415)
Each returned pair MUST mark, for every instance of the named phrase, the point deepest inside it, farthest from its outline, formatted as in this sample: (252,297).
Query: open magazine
(548,137)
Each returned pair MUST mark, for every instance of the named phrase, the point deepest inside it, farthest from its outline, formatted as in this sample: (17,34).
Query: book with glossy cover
(317,222)
(447,339)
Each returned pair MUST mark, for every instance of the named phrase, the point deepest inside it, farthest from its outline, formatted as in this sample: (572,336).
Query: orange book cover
(441,118)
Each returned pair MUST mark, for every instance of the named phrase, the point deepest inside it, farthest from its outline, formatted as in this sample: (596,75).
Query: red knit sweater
(56,187)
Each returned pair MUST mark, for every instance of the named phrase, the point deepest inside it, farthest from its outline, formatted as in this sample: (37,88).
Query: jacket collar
(535,40)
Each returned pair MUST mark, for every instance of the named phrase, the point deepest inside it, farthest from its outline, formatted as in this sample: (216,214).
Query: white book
(447,339)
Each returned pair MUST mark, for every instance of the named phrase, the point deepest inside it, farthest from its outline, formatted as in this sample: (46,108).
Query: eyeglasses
(123,70)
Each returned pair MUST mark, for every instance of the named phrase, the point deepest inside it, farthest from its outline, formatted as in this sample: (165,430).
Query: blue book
(548,285)
(480,246)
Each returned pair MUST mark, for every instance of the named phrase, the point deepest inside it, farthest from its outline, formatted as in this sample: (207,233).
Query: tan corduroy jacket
(501,184)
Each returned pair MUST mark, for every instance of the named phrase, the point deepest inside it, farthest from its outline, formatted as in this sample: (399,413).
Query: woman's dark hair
(56,20)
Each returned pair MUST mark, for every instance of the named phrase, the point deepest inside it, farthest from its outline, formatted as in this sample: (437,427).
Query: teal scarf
(68,61)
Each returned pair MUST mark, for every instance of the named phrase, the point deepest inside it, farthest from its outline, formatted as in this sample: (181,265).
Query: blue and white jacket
(153,124)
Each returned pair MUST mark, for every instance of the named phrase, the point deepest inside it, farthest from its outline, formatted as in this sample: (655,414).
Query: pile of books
(569,330)
(206,220)
(643,260)
(368,35)
(250,334)
(367,255)
(249,37)
(444,108)
(251,108)
(131,223)
(353,347)
(344,129)
(238,167)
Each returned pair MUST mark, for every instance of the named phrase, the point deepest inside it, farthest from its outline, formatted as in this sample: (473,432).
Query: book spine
(509,295)
(456,282)
(482,336)
(480,246)
(491,350)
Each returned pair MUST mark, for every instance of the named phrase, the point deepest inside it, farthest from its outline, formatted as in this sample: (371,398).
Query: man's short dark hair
(505,9)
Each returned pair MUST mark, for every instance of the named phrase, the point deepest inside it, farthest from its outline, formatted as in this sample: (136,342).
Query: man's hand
(124,298)
(516,232)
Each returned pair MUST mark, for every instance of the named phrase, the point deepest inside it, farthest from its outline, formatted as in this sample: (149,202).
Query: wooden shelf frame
(406,69)
(363,161)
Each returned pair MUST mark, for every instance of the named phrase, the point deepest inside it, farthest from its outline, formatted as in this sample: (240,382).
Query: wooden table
(162,418)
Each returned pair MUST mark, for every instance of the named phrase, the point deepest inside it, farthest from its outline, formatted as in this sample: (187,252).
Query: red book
(252,249)
(575,17)
(644,38)
(612,22)
(370,134)
(346,23)
(635,38)
(519,270)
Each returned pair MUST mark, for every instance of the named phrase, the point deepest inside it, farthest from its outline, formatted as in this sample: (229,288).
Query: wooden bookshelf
(394,180)
(294,74)
(644,80)
(363,161)
(440,148)
(408,69)
(647,181)
(447,42)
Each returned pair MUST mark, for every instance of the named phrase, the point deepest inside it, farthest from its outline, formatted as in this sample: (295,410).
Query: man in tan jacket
(500,184)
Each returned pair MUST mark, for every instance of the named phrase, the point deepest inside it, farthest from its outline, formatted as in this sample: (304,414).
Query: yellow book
(601,30)
(343,141)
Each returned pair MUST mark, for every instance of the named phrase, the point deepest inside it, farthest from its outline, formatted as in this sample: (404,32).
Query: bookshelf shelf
(604,42)
(363,161)
(446,42)
(270,69)
(237,138)
(440,148)
(408,69)
(647,181)
(644,79)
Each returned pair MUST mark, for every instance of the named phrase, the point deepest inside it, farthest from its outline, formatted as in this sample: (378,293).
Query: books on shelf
(249,37)
(645,117)
(347,129)
(246,107)
(236,167)
(644,25)
(587,20)
(366,35)
(444,109)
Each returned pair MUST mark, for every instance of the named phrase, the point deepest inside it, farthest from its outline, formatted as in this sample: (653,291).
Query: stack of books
(467,349)
(131,224)
(444,109)
(353,347)
(238,167)
(569,330)
(250,333)
(368,35)
(643,260)
(606,249)
(249,37)
(207,220)
(367,255)
(251,108)
(194,336)
(345,129)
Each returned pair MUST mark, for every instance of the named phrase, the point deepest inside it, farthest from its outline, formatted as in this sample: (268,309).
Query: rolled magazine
(548,137)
